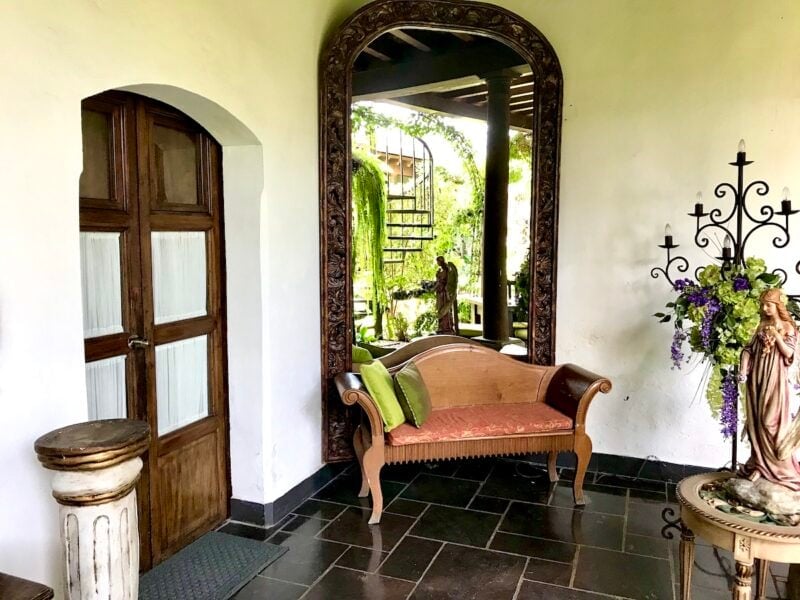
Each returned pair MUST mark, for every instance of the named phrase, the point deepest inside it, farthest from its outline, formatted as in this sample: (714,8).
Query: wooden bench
(484,404)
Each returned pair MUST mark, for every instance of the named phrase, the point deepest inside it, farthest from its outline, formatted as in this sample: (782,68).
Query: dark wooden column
(495,211)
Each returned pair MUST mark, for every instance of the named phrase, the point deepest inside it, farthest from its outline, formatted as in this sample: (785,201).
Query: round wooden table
(752,544)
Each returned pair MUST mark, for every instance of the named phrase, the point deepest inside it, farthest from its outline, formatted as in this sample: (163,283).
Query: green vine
(369,228)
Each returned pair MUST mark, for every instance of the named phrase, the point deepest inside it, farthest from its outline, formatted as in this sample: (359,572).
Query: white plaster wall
(657,95)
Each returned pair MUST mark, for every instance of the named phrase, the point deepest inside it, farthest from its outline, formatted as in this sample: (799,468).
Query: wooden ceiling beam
(479,57)
(411,41)
(464,37)
(376,54)
(436,103)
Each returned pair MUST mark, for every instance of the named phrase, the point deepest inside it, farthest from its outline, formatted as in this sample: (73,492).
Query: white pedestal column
(100,540)
(96,468)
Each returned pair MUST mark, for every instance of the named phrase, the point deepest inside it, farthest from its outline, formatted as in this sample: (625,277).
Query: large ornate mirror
(440,124)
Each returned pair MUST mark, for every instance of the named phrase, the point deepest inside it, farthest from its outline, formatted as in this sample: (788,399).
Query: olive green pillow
(361,355)
(379,385)
(413,394)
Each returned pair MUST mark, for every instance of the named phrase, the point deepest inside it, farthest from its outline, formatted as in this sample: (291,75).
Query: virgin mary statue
(764,369)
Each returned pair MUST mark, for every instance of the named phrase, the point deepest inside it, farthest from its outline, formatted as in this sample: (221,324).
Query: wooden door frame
(336,66)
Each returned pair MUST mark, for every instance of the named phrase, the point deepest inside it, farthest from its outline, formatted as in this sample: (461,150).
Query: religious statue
(764,370)
(445,288)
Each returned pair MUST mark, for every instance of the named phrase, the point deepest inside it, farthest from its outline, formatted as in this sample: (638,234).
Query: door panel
(106,388)
(179,275)
(190,490)
(181,383)
(101,283)
(151,252)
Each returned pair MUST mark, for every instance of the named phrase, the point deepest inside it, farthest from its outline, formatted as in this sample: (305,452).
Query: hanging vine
(369,227)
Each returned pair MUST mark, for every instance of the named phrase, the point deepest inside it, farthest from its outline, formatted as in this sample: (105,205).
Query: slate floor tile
(647,546)
(477,470)
(547,571)
(261,588)
(362,559)
(620,574)
(410,558)
(629,482)
(306,560)
(532,590)
(344,584)
(441,490)
(645,518)
(489,504)
(319,509)
(598,498)
(308,526)
(563,524)
(401,473)
(409,508)
(456,525)
(344,490)
(351,528)
(513,482)
(490,576)
(534,547)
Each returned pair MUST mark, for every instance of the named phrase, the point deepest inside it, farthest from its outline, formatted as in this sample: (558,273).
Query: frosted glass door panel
(95,181)
(181,383)
(100,283)
(105,388)
(179,275)
(175,155)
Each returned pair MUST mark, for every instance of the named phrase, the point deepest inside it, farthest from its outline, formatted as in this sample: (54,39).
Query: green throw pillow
(361,355)
(413,394)
(379,385)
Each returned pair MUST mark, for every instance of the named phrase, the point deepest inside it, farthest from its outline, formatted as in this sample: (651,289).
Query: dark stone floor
(489,529)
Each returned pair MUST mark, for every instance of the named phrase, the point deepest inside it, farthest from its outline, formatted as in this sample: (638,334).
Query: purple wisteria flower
(698,296)
(676,349)
(712,308)
(740,284)
(682,284)
(730,396)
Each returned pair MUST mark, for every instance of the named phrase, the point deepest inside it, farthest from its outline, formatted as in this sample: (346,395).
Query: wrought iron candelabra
(737,226)
(733,248)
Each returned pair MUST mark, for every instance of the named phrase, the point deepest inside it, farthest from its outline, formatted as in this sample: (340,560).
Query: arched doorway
(154,305)
(336,77)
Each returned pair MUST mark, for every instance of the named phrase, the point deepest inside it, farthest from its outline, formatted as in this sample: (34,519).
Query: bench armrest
(571,390)
(352,391)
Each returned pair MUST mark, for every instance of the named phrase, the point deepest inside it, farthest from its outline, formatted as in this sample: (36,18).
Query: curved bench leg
(358,443)
(583,450)
(372,464)
(551,467)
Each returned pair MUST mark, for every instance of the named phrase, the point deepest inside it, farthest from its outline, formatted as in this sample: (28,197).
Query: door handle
(136,342)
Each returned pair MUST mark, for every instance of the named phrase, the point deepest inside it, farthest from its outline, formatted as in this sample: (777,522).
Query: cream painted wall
(657,94)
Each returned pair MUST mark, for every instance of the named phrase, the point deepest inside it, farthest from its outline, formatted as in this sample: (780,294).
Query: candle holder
(733,225)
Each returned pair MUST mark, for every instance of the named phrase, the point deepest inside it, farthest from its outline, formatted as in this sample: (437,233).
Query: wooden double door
(153,306)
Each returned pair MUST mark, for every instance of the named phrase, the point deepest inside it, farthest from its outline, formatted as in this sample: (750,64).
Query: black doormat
(213,567)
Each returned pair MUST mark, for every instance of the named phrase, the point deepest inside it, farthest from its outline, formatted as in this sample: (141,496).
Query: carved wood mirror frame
(336,64)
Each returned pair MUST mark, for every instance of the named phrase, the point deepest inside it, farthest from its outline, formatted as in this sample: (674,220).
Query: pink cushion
(481,421)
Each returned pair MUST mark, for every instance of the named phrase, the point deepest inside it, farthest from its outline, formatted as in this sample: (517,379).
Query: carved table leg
(687,562)
(744,576)
(762,571)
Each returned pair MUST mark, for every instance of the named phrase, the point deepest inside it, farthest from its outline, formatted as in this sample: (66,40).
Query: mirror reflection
(441,191)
